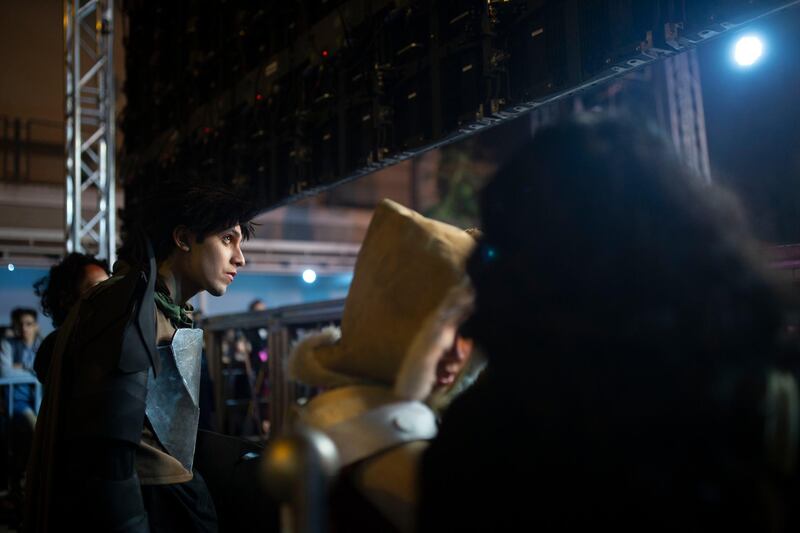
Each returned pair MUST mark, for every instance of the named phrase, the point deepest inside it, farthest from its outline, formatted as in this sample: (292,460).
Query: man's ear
(182,238)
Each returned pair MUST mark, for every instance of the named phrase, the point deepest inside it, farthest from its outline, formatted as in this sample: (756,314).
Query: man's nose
(238,258)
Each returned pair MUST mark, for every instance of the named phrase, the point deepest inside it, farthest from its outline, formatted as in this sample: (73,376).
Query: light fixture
(309,276)
(748,50)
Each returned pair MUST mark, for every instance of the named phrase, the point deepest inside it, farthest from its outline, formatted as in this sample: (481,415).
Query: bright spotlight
(748,50)
(309,276)
(11,267)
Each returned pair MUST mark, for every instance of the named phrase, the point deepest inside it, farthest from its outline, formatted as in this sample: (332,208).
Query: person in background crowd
(257,338)
(236,350)
(407,297)
(630,337)
(257,305)
(59,290)
(17,356)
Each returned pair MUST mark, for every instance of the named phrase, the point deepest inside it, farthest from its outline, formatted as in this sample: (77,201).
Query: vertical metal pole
(17,149)
(108,102)
(686,112)
(72,127)
(672,104)
(213,347)
(297,469)
(704,163)
(279,346)
(5,147)
(28,137)
(90,129)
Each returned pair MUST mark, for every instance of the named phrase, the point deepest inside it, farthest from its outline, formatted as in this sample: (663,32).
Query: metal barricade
(284,325)
(21,380)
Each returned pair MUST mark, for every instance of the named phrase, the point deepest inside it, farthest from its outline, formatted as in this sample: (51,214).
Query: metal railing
(282,324)
(11,382)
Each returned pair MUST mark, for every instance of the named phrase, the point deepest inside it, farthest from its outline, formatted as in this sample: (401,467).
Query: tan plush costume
(408,268)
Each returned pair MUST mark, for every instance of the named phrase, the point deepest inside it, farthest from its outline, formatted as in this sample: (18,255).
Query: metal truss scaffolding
(686,115)
(678,107)
(89,120)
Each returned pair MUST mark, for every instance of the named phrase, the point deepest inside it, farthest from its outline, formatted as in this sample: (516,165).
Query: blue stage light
(748,50)
(309,276)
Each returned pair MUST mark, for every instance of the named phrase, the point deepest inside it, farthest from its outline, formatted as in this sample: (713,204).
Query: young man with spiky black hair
(114,447)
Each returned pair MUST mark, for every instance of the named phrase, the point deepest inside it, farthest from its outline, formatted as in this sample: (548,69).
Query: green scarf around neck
(180,317)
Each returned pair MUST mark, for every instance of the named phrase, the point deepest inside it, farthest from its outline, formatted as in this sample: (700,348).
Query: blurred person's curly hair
(60,288)
(624,296)
(595,230)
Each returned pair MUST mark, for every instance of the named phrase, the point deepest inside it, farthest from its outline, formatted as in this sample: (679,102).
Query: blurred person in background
(17,356)
(58,291)
(259,355)
(630,337)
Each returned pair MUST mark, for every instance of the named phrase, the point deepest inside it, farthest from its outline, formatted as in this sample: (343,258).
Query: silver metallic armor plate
(173,406)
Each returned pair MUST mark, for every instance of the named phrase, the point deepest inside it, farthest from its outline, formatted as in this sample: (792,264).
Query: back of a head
(257,305)
(60,289)
(202,208)
(620,291)
(596,231)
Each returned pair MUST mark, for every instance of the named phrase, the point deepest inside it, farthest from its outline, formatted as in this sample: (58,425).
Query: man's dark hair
(60,288)
(203,209)
(18,312)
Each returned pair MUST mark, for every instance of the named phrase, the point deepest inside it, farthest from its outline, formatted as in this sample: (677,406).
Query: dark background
(753,124)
